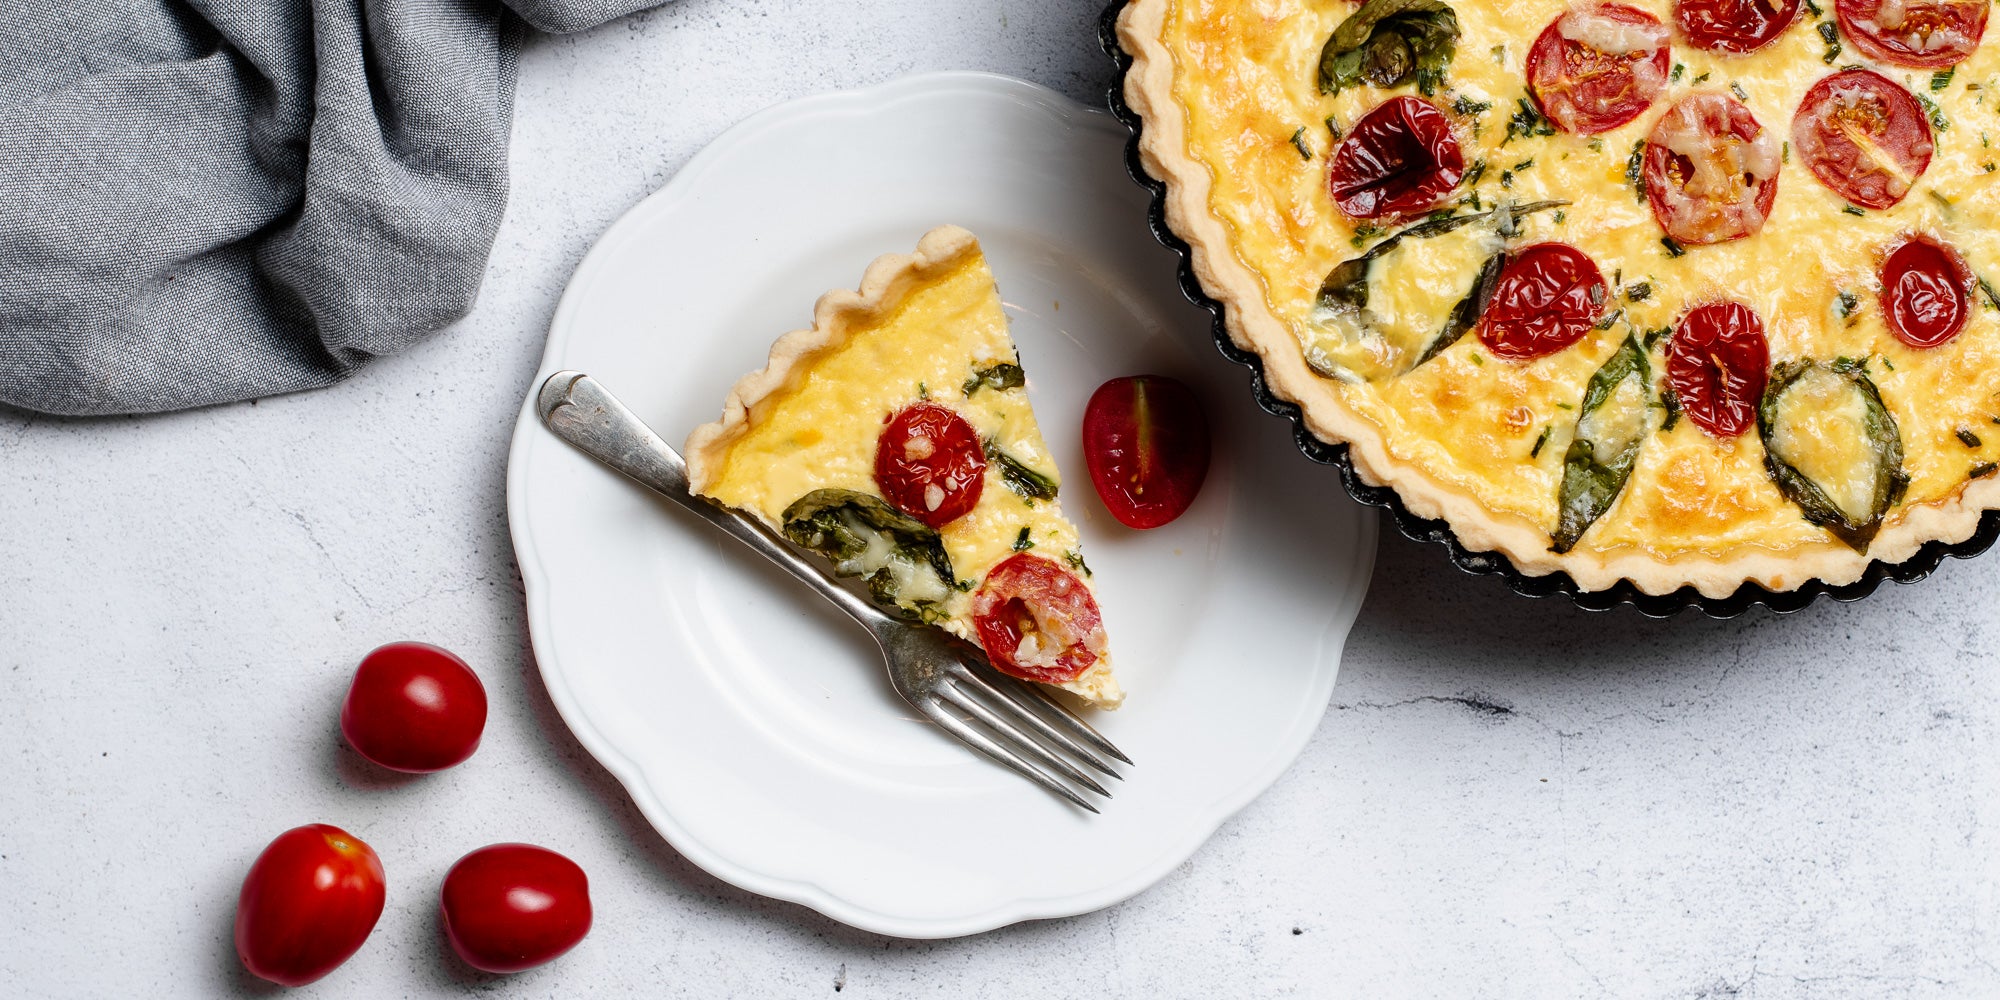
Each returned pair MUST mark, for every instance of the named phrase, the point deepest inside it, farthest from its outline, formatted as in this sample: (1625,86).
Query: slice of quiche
(894,437)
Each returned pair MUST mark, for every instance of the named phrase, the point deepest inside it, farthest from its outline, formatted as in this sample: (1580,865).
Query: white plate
(752,724)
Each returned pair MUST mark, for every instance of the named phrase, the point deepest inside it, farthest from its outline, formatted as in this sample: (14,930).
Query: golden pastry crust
(1254,324)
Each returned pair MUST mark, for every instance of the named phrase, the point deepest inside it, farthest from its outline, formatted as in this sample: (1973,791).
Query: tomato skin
(1905,45)
(1027,594)
(929,464)
(1718,363)
(1865,102)
(1733,26)
(1679,189)
(1582,90)
(307,904)
(1145,439)
(510,907)
(1549,295)
(1926,294)
(414,707)
(1400,159)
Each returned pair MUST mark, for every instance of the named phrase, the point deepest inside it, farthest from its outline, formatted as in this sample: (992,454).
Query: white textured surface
(1510,798)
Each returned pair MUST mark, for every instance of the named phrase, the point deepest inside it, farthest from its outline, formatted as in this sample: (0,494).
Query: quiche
(1690,293)
(894,437)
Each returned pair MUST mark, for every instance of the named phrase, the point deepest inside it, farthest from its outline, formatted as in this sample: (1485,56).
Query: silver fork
(945,678)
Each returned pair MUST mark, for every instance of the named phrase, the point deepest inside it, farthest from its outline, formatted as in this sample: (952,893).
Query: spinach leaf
(1389,42)
(1882,437)
(1018,477)
(903,559)
(1601,455)
(1000,376)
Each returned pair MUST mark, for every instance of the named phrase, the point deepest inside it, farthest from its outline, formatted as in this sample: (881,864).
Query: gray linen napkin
(210,200)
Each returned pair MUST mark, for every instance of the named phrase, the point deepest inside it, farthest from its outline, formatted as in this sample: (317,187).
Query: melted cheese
(1246,76)
(1821,429)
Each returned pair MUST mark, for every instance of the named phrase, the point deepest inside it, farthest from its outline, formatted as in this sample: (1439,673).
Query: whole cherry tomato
(308,904)
(929,464)
(1145,439)
(510,907)
(1925,292)
(414,707)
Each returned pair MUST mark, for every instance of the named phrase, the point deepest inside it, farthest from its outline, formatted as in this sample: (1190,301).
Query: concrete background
(1507,799)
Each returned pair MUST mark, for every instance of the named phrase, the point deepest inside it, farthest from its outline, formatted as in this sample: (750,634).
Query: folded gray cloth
(210,200)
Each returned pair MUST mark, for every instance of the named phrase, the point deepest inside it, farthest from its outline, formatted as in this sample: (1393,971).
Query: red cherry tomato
(1037,621)
(1717,364)
(1733,26)
(929,464)
(1917,34)
(1549,295)
(308,904)
(1145,439)
(510,907)
(1863,136)
(1925,293)
(1597,67)
(1400,159)
(1711,170)
(414,707)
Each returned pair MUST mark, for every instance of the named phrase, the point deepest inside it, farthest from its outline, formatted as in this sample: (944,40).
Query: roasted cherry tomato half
(510,907)
(308,904)
(1399,159)
(1711,170)
(1549,295)
(1717,364)
(1863,136)
(929,464)
(1917,34)
(1926,292)
(1733,26)
(1037,621)
(1145,439)
(1598,66)
(414,707)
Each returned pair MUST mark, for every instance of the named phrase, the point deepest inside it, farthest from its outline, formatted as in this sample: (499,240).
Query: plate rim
(538,586)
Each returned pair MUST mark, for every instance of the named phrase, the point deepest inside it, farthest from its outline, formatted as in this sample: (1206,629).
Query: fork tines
(1035,734)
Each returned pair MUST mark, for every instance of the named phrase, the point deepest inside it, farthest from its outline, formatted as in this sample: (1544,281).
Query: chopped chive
(1737,89)
(1830,34)
(1969,439)
(1299,143)
(1853,210)
(1845,303)
(1982,470)
(1468,107)
(1022,542)
(1942,78)
(1680,70)
(1541,441)
(1674,249)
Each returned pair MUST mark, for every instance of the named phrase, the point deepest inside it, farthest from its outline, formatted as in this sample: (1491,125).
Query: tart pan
(1422,529)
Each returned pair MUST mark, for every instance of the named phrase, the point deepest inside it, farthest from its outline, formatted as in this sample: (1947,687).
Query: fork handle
(584,413)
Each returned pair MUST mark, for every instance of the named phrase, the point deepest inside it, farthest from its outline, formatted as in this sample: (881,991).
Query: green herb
(1022,542)
(1500,54)
(1737,89)
(1885,448)
(1830,34)
(1942,79)
(1299,143)
(1982,470)
(1635,168)
(1540,442)
(1845,303)
(1671,402)
(1785,151)
(1988,167)
(1596,145)
(1657,334)
(1936,196)
(1333,127)
(1506,178)
(1526,123)
(844,526)
(1992,297)
(923,391)
(1639,291)
(1075,560)
(1474,173)
(1564,406)
(1701,79)
(1850,366)
(1969,439)
(1814,9)
(1680,70)
(1938,120)
(1589,486)
(1001,376)
(1559,217)
(1031,485)
(1886,363)
(1674,248)
(1468,107)
(1853,210)
(1389,43)
(1524,164)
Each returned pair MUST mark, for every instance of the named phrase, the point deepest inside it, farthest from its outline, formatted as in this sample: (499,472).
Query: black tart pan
(1921,565)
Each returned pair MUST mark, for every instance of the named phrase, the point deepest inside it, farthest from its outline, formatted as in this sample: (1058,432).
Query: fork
(943,677)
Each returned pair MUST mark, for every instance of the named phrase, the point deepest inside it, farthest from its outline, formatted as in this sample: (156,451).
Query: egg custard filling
(895,438)
(1690,293)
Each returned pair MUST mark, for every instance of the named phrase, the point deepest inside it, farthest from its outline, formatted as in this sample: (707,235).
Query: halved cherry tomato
(1926,292)
(308,904)
(1400,159)
(1037,621)
(1863,136)
(1598,66)
(1717,364)
(414,707)
(1145,439)
(1711,170)
(1733,26)
(509,907)
(1917,34)
(929,464)
(1549,295)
